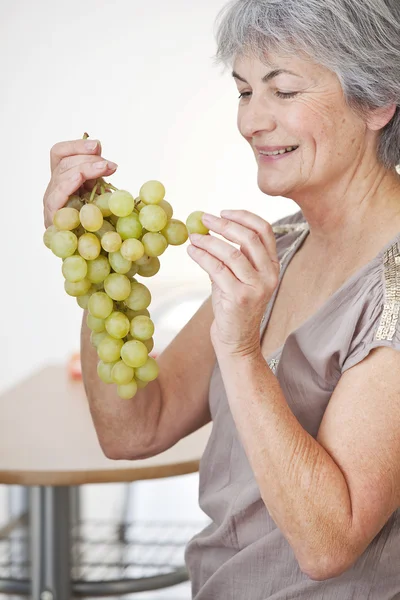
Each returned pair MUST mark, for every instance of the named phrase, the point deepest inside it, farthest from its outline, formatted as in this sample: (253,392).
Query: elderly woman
(301,475)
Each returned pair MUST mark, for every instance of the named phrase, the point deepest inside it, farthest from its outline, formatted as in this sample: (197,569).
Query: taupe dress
(242,555)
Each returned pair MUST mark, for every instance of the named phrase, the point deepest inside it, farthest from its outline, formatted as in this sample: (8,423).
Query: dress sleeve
(378,322)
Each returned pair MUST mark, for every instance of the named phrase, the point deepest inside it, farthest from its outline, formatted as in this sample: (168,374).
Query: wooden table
(48,443)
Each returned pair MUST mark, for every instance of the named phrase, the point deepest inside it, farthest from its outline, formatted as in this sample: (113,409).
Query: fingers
(63,149)
(218,272)
(68,184)
(228,255)
(261,227)
(251,243)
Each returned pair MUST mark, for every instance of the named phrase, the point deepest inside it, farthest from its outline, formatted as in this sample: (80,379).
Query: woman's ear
(379,117)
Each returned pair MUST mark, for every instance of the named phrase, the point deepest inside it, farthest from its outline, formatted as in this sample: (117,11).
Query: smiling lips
(275,150)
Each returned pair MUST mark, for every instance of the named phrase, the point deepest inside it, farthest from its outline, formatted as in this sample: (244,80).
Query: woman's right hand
(73,165)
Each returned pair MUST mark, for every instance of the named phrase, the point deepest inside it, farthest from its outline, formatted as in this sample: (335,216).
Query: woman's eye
(286,94)
(244,95)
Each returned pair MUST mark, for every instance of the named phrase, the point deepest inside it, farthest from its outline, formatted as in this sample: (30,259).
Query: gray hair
(358,40)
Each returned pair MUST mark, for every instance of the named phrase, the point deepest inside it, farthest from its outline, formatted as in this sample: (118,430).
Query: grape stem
(94,190)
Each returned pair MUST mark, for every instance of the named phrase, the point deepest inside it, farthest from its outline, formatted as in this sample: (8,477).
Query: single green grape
(118,263)
(149,344)
(149,371)
(132,249)
(141,384)
(95,338)
(95,324)
(66,219)
(154,244)
(117,286)
(89,246)
(100,305)
(80,288)
(194,223)
(117,325)
(128,391)
(151,268)
(48,235)
(134,353)
(98,269)
(139,297)
(104,371)
(167,208)
(153,218)
(121,373)
(91,217)
(129,227)
(141,328)
(74,202)
(144,260)
(175,232)
(102,202)
(83,301)
(64,244)
(131,314)
(121,203)
(109,349)
(152,192)
(111,241)
(105,228)
(132,272)
(74,268)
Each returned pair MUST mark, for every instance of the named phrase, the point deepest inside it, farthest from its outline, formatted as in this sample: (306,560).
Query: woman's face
(305,108)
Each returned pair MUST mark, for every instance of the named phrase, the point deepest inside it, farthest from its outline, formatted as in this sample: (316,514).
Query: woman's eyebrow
(268,76)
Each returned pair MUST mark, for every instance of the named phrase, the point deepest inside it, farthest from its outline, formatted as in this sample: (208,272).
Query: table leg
(50,543)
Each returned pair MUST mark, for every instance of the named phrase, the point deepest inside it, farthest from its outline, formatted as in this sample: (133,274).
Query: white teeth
(276,152)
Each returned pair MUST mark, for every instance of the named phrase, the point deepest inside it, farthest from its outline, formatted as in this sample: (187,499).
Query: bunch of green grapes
(106,238)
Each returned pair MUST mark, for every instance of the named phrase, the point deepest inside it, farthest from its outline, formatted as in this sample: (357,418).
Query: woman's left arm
(330,496)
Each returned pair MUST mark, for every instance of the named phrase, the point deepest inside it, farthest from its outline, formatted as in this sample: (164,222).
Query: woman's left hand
(243,281)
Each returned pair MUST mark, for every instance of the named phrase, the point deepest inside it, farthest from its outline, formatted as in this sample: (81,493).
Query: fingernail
(112,165)
(92,145)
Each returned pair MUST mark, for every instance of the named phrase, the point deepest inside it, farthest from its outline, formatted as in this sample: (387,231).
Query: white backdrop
(139,76)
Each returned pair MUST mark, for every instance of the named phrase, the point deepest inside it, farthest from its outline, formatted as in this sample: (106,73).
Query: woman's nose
(255,117)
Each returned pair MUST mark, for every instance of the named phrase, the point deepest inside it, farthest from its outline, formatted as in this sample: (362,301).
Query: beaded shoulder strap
(391,309)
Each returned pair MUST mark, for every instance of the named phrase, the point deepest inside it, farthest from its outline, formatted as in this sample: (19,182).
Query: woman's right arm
(167,409)
(176,403)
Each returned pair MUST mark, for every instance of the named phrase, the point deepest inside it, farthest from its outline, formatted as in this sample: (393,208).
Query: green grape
(139,204)
(149,371)
(105,228)
(64,244)
(98,269)
(167,208)
(95,338)
(139,297)
(149,344)
(66,219)
(109,349)
(131,314)
(132,272)
(151,268)
(111,241)
(175,232)
(141,328)
(97,287)
(128,391)
(152,192)
(80,288)
(121,203)
(48,235)
(74,268)
(104,371)
(132,249)
(129,227)
(194,223)
(154,244)
(141,384)
(134,353)
(74,202)
(83,301)
(91,217)
(121,374)
(95,324)
(117,286)
(100,305)
(153,218)
(89,246)
(118,263)
(102,202)
(143,261)
(117,325)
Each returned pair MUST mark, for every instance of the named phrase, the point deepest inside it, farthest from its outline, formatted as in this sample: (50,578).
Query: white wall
(139,76)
